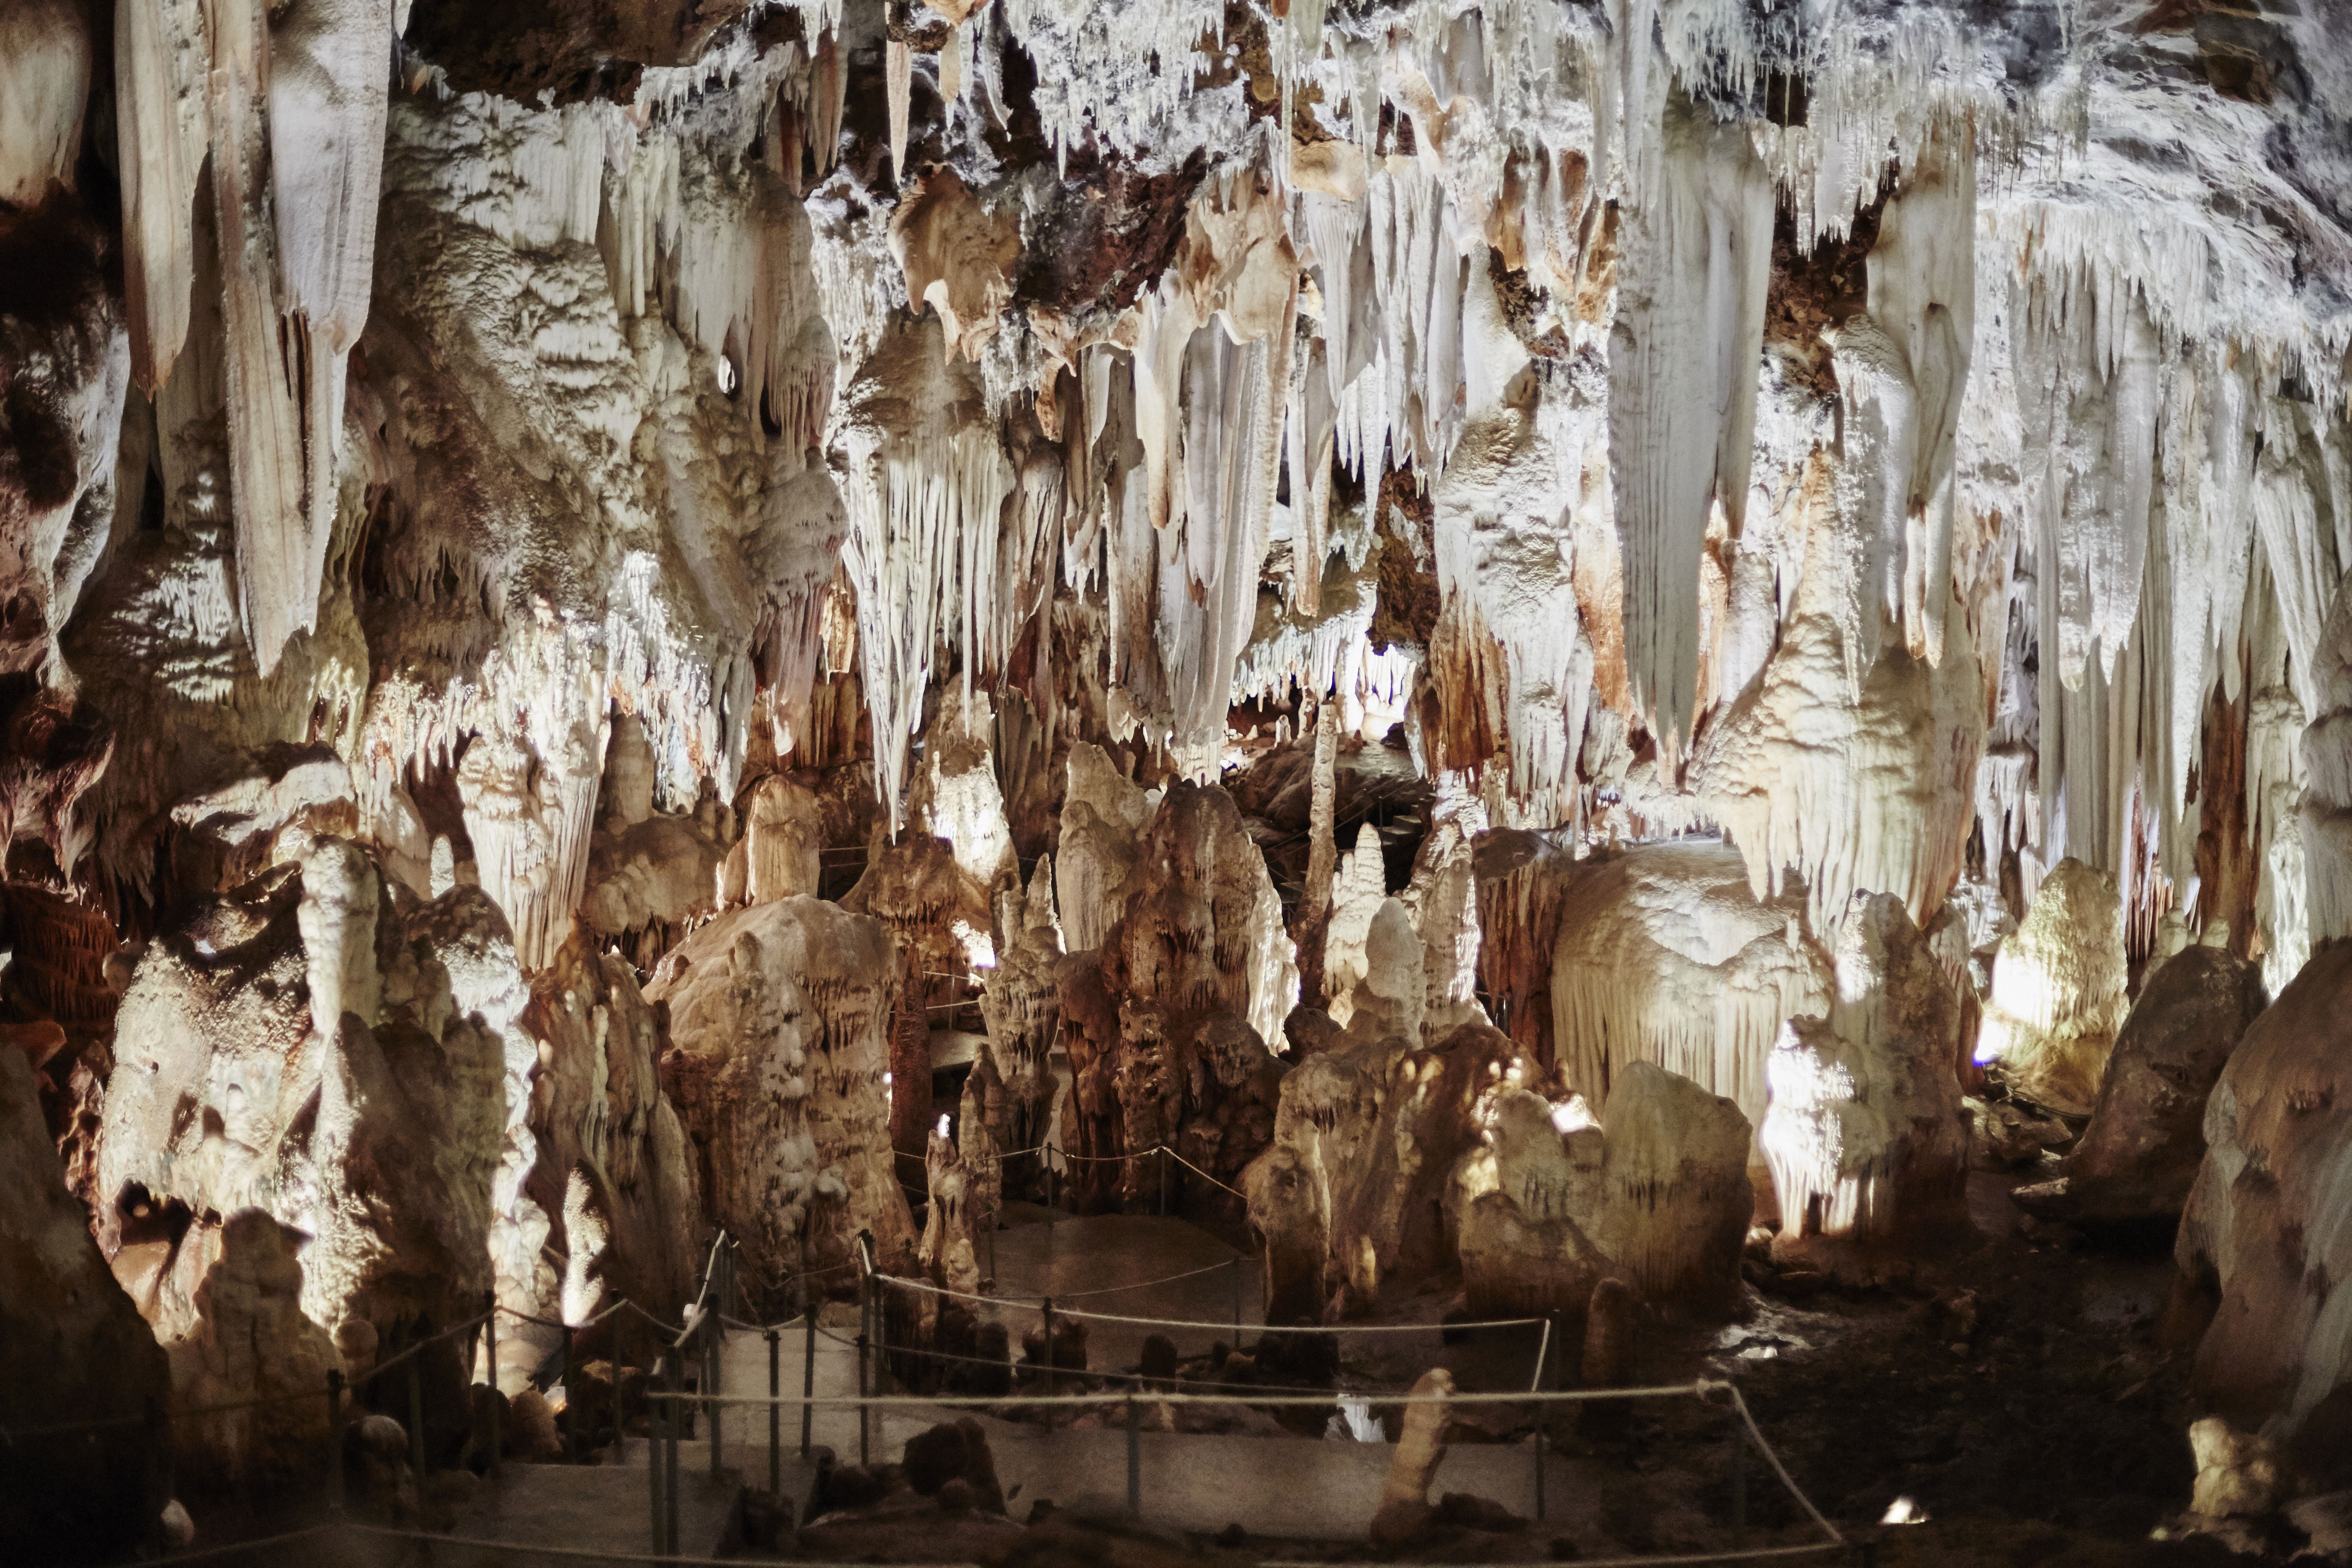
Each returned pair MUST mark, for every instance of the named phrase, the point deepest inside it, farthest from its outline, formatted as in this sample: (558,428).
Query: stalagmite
(1358,893)
(1866,1134)
(67,1340)
(1404,1510)
(778,1016)
(1528,1207)
(1022,1005)
(2264,1223)
(1674,1194)
(779,854)
(2139,1155)
(590,592)
(1323,847)
(2058,992)
(1102,814)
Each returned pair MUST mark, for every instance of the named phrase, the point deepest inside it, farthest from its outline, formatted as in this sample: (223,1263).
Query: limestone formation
(588,591)
(1167,1027)
(937,915)
(1865,1135)
(1102,814)
(1675,1200)
(304,1047)
(781,851)
(778,1016)
(1404,1509)
(2058,992)
(1666,956)
(252,1340)
(1020,1003)
(2138,1158)
(1366,1142)
(1530,1207)
(2237,1472)
(2256,1237)
(609,1204)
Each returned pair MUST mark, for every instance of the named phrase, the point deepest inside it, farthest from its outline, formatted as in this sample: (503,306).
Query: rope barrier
(9,1435)
(619,1303)
(1774,1459)
(1202,1174)
(589,1554)
(1242,1391)
(959,1401)
(1145,1284)
(381,1367)
(1311,1328)
(1073,1296)
(1224,1326)
(1667,1560)
(262,1544)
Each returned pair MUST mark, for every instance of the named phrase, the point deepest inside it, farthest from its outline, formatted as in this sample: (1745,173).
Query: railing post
(775,1414)
(1134,1463)
(416,1421)
(714,1350)
(669,1465)
(1163,1181)
(808,1380)
(1050,1360)
(1238,1300)
(865,1435)
(335,1438)
(490,1369)
(653,1424)
(1739,1481)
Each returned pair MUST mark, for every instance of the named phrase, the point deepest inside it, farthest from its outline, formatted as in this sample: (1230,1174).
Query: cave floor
(2012,1385)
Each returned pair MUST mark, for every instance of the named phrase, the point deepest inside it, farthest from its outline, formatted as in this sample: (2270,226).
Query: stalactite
(163,127)
(280,552)
(1683,351)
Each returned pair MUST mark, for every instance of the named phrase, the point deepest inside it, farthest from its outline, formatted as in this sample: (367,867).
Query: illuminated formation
(1557,658)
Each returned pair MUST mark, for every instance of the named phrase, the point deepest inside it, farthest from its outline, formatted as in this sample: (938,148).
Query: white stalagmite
(1865,1135)
(2327,803)
(1323,795)
(1102,813)
(1357,896)
(2058,991)
(160,60)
